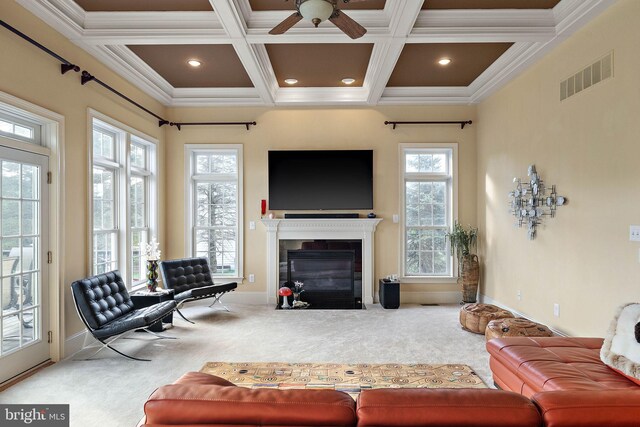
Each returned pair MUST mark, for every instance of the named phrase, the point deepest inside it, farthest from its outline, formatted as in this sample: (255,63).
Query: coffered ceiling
(149,42)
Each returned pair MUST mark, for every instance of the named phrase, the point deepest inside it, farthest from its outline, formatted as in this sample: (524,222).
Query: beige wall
(347,128)
(32,75)
(587,145)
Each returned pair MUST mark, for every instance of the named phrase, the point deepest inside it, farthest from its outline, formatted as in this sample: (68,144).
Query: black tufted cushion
(102,298)
(135,319)
(190,278)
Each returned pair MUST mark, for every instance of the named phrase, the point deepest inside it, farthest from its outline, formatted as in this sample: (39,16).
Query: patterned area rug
(349,378)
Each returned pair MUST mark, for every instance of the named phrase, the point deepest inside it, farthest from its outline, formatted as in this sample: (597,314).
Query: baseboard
(488,300)
(251,298)
(430,297)
(74,344)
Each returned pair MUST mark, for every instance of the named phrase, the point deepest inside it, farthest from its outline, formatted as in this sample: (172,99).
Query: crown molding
(151,20)
(215,97)
(456,95)
(116,58)
(309,96)
(62,18)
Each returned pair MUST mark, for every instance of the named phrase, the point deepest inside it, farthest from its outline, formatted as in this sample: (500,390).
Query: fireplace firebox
(328,277)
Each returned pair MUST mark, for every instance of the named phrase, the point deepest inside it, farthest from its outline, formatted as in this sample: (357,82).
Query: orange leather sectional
(553,382)
(566,379)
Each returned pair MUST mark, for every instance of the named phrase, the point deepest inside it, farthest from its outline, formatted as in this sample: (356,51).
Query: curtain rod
(461,123)
(87,77)
(65,64)
(179,125)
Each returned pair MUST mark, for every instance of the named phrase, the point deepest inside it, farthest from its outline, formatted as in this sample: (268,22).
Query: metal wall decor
(531,201)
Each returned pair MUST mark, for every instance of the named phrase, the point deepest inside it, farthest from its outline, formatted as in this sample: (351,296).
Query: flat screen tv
(321,180)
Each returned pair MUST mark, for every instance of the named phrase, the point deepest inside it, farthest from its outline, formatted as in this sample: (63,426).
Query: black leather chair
(191,280)
(104,305)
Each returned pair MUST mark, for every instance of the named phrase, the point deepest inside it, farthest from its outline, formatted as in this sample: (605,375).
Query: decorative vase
(152,275)
(470,273)
(285,303)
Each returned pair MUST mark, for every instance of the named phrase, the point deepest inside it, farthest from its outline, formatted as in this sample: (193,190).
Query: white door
(24,298)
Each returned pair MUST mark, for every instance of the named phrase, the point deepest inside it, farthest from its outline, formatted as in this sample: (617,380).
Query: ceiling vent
(599,71)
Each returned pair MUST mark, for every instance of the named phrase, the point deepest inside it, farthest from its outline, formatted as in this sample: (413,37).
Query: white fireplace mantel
(329,229)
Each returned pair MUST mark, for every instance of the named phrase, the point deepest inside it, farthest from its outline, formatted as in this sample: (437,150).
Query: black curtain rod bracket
(461,123)
(179,125)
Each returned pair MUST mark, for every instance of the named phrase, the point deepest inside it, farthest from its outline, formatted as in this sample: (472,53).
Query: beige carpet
(111,390)
(349,378)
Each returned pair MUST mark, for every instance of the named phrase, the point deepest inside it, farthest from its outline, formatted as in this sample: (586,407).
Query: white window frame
(190,150)
(452,196)
(15,117)
(125,137)
(147,174)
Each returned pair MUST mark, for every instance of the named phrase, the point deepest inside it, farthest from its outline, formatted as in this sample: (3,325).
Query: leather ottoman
(516,327)
(475,317)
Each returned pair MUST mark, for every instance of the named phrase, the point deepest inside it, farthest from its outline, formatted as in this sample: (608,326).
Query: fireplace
(329,276)
(283,235)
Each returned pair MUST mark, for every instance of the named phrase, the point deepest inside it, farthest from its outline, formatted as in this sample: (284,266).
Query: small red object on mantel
(285,291)
(263,206)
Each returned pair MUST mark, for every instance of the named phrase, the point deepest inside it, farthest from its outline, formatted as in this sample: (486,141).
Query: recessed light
(444,61)
(290,81)
(348,81)
(194,63)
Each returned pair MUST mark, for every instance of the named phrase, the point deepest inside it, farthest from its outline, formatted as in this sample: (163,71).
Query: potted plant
(463,240)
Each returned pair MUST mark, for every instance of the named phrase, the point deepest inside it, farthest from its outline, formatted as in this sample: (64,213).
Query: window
(140,231)
(123,199)
(428,189)
(214,206)
(16,127)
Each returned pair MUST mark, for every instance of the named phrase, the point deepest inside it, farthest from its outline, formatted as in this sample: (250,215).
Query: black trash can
(389,293)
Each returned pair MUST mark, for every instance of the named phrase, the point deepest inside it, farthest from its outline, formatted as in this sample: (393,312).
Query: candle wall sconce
(531,201)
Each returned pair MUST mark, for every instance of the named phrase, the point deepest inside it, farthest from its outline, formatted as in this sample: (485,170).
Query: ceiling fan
(317,11)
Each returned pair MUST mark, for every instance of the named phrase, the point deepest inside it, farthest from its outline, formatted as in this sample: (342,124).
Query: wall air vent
(599,71)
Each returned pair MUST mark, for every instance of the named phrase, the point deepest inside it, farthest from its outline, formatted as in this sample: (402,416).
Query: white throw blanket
(621,349)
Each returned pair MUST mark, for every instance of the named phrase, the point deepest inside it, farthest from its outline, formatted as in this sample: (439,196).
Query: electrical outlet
(634,233)
(252,278)
(556,310)
(396,218)
(519,295)
(252,225)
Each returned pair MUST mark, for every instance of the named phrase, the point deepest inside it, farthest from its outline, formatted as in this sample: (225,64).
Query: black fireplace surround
(331,272)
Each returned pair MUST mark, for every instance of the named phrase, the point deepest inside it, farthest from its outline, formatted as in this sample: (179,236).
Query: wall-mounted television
(321,179)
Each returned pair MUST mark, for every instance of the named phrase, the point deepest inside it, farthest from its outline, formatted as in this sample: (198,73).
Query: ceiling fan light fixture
(194,63)
(291,81)
(444,61)
(316,11)
(348,81)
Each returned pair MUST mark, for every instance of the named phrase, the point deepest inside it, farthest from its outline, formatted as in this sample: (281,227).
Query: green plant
(462,240)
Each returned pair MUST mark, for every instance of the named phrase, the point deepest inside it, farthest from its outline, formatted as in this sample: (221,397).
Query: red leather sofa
(566,379)
(199,399)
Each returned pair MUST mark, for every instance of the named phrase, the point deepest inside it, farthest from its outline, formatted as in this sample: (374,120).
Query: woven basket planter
(469,276)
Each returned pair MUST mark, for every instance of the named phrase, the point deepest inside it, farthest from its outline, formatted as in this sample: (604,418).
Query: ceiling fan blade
(347,25)
(282,27)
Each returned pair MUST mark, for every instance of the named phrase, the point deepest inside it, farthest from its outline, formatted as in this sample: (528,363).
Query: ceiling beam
(259,72)
(386,56)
